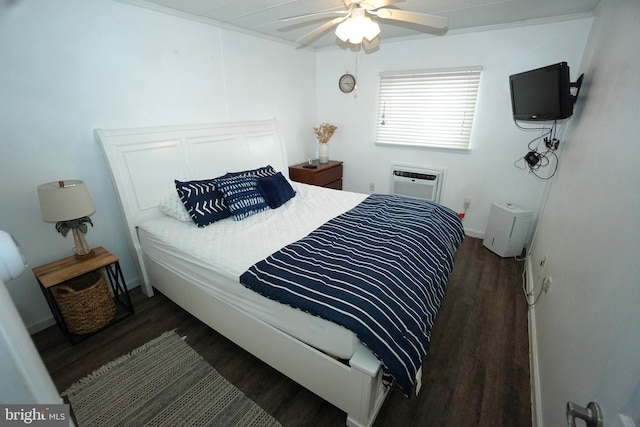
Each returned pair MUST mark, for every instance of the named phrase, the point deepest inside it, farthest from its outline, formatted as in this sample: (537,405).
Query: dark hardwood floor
(476,374)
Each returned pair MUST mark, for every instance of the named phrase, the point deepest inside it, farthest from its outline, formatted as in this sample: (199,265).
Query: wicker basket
(85,302)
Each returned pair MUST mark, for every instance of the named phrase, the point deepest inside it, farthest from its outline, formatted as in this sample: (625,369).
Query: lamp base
(89,254)
(82,249)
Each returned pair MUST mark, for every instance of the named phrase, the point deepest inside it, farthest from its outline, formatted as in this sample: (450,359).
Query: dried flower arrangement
(324,132)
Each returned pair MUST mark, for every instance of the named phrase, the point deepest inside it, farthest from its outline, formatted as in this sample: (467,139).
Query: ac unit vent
(422,183)
(416,175)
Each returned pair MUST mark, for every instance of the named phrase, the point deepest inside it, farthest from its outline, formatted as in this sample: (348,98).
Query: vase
(323,152)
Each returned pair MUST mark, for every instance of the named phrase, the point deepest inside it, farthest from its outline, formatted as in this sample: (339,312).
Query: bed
(200,268)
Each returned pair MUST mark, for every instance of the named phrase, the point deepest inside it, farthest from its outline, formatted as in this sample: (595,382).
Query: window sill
(417,145)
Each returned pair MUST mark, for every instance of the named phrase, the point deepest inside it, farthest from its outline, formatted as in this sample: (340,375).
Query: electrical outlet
(467,202)
(542,272)
(552,144)
(372,187)
(543,261)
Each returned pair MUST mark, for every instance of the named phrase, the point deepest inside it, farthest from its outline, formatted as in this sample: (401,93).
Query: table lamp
(68,204)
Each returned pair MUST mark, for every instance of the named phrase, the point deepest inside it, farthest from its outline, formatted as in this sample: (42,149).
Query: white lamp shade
(370,30)
(64,201)
(12,261)
(343,31)
(354,29)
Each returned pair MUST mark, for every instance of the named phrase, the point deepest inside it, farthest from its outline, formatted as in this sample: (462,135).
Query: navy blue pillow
(276,190)
(204,202)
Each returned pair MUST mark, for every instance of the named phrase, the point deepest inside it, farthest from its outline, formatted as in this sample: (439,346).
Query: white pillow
(172,206)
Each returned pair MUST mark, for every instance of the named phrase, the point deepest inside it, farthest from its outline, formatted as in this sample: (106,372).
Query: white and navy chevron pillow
(204,202)
(240,190)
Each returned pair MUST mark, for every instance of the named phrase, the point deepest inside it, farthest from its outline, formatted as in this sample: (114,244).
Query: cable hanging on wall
(542,151)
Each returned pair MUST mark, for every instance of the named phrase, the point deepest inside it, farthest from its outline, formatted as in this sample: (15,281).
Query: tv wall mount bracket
(577,84)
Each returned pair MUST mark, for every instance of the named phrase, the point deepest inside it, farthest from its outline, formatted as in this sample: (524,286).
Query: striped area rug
(162,383)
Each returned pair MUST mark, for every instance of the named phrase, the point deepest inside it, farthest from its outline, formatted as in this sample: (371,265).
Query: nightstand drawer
(336,185)
(327,176)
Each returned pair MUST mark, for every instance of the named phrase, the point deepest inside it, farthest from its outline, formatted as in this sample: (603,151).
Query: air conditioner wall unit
(423,182)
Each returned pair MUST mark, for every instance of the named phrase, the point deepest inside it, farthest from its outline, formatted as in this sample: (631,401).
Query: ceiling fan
(355,25)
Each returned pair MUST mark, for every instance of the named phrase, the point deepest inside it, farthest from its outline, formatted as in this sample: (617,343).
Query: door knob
(592,414)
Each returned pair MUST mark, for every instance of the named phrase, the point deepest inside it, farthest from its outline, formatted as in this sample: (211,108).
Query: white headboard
(144,163)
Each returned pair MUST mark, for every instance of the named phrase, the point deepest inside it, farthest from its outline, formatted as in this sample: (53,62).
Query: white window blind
(431,108)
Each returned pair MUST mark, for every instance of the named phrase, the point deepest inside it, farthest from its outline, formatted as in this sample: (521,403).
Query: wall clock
(347,83)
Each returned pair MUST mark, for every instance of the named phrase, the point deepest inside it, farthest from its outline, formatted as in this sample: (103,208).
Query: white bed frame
(143,164)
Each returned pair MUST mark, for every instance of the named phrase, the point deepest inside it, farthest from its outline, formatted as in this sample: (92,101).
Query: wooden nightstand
(60,271)
(325,175)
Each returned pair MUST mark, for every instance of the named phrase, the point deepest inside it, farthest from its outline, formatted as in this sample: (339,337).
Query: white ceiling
(263,16)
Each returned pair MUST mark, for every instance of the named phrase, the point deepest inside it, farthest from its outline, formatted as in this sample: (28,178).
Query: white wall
(588,324)
(24,377)
(69,66)
(486,173)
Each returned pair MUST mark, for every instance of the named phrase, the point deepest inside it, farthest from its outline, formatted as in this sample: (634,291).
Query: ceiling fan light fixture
(355,29)
(343,31)
(372,30)
(355,23)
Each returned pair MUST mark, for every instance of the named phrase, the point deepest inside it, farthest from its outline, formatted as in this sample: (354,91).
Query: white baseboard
(474,233)
(41,325)
(534,367)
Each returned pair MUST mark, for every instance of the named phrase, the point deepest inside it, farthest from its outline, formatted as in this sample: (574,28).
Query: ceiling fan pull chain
(355,92)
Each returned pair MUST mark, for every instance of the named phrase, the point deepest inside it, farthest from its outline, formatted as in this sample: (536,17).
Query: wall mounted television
(542,94)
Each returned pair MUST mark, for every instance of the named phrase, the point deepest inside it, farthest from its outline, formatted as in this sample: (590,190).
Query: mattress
(214,257)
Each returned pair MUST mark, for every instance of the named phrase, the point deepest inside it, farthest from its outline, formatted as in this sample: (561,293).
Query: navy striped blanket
(380,270)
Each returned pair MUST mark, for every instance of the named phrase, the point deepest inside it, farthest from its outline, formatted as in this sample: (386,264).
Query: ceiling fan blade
(413,17)
(377,4)
(321,29)
(310,15)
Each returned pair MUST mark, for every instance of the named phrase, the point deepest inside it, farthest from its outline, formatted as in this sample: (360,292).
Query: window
(430,108)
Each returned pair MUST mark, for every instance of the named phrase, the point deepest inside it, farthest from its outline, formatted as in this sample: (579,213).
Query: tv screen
(542,94)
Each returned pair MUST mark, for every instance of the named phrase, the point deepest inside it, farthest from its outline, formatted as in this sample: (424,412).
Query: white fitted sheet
(214,257)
